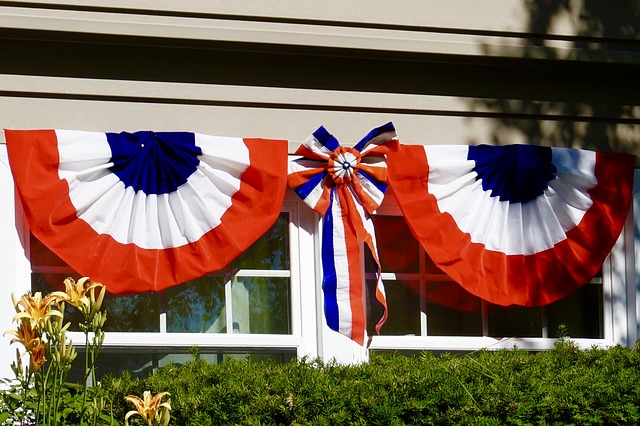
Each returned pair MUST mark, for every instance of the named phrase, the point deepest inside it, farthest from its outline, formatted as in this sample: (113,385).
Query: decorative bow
(345,185)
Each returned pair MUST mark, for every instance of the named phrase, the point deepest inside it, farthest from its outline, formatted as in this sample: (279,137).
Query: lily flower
(36,309)
(152,410)
(37,356)
(81,294)
(25,334)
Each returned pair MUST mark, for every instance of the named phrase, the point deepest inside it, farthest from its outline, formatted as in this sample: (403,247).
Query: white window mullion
(423,282)
(228,304)
(630,278)
(162,301)
(321,327)
(294,269)
(267,273)
(544,321)
(619,298)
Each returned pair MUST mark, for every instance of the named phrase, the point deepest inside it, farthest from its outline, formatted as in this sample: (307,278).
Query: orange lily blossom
(25,334)
(37,355)
(152,410)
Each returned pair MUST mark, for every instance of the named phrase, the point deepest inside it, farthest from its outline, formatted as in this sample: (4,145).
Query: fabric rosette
(345,185)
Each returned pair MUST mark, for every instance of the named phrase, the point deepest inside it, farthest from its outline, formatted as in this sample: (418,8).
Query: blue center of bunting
(155,163)
(346,165)
(515,173)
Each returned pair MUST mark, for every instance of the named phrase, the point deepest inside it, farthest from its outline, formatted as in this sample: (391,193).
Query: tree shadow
(584,101)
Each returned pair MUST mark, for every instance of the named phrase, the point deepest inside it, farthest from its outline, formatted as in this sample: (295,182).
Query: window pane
(430,267)
(217,357)
(581,312)
(397,249)
(113,361)
(271,251)
(451,310)
(140,362)
(514,321)
(261,305)
(403,301)
(40,255)
(133,313)
(197,306)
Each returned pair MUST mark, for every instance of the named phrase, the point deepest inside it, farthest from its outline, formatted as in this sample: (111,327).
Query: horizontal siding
(566,19)
(475,29)
(497,15)
(292,114)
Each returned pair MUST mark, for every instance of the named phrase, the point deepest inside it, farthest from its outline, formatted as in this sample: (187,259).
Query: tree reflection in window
(197,306)
(261,305)
(235,300)
(271,251)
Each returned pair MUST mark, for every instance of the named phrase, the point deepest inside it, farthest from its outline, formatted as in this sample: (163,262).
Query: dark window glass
(514,321)
(580,312)
(451,310)
(403,301)
(141,362)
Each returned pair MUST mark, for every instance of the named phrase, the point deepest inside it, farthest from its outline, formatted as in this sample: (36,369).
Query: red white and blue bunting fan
(517,224)
(345,185)
(145,211)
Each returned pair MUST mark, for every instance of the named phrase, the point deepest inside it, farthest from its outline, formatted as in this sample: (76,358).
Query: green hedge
(562,386)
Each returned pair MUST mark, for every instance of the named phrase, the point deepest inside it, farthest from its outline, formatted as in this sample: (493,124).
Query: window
(428,310)
(257,294)
(250,296)
(426,302)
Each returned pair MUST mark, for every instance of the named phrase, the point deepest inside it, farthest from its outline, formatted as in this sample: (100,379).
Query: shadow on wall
(600,112)
(598,109)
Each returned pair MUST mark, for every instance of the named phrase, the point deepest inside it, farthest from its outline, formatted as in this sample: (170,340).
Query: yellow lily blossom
(81,294)
(152,410)
(36,309)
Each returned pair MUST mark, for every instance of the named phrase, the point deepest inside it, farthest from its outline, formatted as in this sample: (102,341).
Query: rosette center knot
(343,164)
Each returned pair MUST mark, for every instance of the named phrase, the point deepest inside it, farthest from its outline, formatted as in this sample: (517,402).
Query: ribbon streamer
(345,185)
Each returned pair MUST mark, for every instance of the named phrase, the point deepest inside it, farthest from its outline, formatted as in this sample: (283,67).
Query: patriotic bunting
(522,225)
(518,224)
(345,185)
(146,211)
